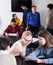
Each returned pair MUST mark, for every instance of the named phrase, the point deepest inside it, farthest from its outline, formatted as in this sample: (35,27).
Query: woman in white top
(19,47)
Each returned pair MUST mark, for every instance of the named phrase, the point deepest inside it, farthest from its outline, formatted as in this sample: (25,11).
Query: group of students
(43,54)
(14,27)
(31,21)
(18,48)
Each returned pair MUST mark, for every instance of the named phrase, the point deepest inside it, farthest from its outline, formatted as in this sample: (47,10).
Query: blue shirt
(25,12)
(47,54)
(33,19)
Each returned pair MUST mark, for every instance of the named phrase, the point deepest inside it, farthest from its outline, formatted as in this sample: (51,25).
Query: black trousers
(34,30)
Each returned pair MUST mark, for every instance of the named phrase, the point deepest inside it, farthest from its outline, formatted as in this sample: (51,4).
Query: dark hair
(13,20)
(4,42)
(33,6)
(50,6)
(48,37)
(23,5)
(13,15)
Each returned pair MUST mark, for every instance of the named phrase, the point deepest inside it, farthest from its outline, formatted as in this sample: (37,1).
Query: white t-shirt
(3,52)
(17,47)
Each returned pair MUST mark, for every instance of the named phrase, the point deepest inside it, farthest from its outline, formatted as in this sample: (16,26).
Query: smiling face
(42,40)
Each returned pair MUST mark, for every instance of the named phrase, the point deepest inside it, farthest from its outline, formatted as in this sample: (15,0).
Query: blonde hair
(26,33)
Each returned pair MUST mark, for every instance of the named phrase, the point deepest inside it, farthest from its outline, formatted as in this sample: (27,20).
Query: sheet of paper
(12,34)
(35,39)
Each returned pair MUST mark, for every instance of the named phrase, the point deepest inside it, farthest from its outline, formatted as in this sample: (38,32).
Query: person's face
(33,9)
(15,16)
(42,41)
(48,9)
(27,40)
(23,7)
(13,24)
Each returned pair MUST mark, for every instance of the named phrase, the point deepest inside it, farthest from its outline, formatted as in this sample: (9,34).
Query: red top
(15,29)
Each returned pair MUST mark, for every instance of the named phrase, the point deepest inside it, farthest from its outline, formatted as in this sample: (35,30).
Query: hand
(6,34)
(38,60)
(22,53)
(17,34)
(26,28)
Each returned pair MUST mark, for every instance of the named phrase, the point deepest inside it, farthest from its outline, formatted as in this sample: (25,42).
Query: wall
(41,7)
(5,12)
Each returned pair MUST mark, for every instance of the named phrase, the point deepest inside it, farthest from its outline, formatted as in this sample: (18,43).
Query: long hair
(48,37)
(13,15)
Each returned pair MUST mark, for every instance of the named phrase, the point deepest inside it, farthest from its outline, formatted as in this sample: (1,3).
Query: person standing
(33,20)
(49,24)
(25,12)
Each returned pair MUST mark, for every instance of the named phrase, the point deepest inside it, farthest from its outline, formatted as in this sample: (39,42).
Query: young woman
(44,53)
(17,19)
(19,47)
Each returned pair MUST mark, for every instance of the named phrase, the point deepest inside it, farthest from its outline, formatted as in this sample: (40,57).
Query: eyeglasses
(28,40)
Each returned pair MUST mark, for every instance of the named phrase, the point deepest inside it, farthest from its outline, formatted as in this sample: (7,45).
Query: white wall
(42,8)
(5,12)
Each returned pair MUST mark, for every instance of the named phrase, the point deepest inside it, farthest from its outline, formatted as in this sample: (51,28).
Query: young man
(49,24)
(33,20)
(4,45)
(25,12)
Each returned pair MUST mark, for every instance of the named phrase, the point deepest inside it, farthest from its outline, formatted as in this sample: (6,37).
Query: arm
(22,53)
(17,49)
(39,20)
(48,61)
(6,31)
(28,19)
(18,21)
(48,22)
(34,54)
(14,50)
